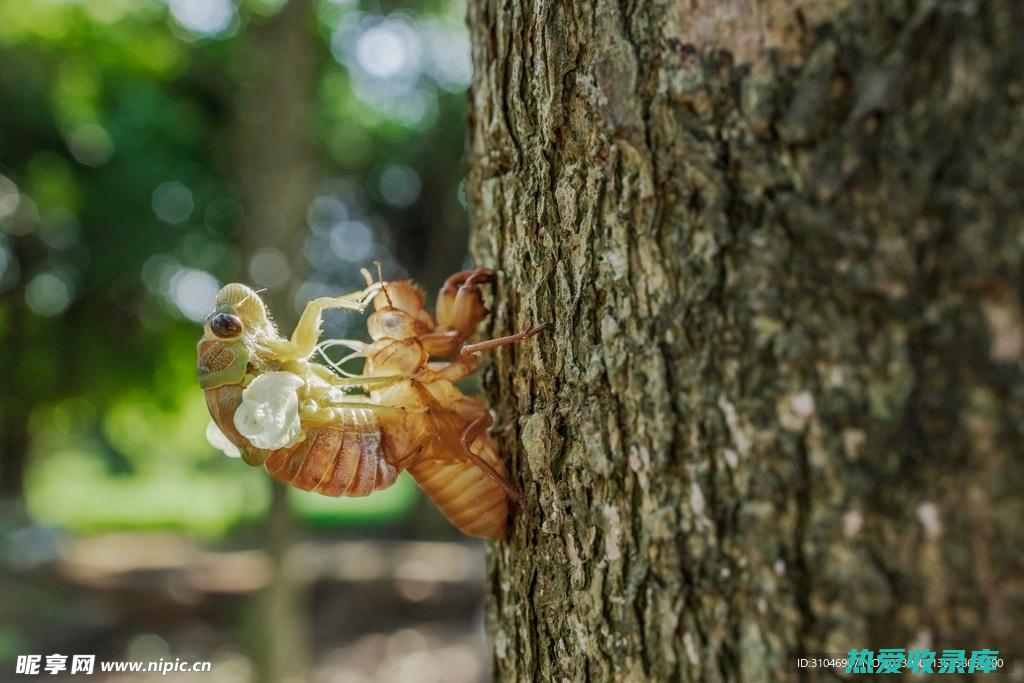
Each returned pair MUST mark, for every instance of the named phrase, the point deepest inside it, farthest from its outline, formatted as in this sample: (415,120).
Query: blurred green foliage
(121,213)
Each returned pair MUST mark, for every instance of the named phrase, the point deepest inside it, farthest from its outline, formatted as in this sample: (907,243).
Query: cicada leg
(307,331)
(467,362)
(441,342)
(460,309)
(313,414)
(455,370)
(376,407)
(502,341)
(469,435)
(367,380)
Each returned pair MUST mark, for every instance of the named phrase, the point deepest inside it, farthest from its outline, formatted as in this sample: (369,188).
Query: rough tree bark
(780,409)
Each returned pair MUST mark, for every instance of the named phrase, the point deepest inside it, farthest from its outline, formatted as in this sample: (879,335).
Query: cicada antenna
(380,276)
(246,297)
(383,287)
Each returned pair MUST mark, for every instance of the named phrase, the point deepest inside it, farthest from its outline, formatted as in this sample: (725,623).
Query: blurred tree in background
(152,151)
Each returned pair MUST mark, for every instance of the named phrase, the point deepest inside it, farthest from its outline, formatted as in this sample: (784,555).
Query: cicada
(317,427)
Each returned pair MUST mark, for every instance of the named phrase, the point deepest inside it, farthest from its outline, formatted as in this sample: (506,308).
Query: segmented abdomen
(464,493)
(345,458)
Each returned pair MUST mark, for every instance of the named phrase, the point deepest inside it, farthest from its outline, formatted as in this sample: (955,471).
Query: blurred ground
(378,610)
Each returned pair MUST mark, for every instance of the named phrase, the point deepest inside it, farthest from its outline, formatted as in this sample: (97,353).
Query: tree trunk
(276,178)
(780,407)
(14,411)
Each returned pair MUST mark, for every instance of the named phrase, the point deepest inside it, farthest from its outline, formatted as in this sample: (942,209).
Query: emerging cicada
(297,418)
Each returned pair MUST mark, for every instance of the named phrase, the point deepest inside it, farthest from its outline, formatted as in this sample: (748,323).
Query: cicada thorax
(220,362)
(460,309)
(213,356)
(393,323)
(427,438)
(396,357)
(343,458)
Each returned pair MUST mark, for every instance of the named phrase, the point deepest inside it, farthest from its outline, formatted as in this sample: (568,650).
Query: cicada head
(238,305)
(404,295)
(399,312)
(232,335)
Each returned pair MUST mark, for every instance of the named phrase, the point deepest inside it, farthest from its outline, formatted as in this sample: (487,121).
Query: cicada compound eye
(226,325)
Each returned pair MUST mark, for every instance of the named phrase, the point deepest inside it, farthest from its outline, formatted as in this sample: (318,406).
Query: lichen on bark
(780,406)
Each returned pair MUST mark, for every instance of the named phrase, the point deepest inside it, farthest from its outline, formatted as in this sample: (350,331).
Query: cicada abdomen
(469,498)
(222,402)
(344,458)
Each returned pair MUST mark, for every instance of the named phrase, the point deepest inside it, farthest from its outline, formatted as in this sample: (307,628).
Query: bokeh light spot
(399,185)
(9,270)
(269,268)
(148,646)
(91,144)
(172,202)
(47,295)
(193,292)
(386,50)
(205,17)
(352,241)
(9,197)
(325,212)
(450,61)
(59,229)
